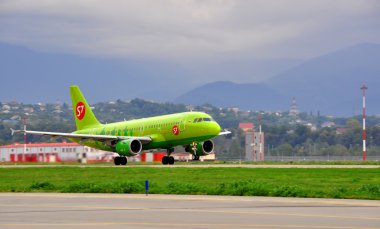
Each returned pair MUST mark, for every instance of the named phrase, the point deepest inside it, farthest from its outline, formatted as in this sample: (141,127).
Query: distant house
(6,107)
(340,130)
(247,126)
(233,109)
(328,124)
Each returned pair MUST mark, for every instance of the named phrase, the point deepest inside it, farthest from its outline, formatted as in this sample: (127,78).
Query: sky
(260,37)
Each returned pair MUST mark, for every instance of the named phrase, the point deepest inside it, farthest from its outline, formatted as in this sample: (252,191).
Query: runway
(55,210)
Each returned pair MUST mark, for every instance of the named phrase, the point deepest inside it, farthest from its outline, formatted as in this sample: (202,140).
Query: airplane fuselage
(167,131)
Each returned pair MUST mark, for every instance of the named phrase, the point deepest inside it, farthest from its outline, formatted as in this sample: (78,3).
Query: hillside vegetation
(302,135)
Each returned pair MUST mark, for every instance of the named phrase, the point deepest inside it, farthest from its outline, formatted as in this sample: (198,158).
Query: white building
(52,152)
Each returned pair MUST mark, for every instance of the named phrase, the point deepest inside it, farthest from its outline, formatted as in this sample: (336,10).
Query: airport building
(52,152)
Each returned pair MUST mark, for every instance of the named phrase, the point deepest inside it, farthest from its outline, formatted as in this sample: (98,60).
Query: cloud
(190,30)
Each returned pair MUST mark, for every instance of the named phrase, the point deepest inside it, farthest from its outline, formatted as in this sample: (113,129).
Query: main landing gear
(120,160)
(168,159)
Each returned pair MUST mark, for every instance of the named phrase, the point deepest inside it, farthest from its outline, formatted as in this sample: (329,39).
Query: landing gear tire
(168,160)
(165,160)
(117,160)
(171,160)
(123,161)
(120,160)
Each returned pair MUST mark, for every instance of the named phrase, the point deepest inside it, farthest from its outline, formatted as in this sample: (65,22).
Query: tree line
(284,134)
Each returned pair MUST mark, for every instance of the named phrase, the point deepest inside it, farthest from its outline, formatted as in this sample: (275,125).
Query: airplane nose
(216,129)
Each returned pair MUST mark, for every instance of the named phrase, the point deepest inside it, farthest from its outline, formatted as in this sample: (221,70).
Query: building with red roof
(51,152)
(247,126)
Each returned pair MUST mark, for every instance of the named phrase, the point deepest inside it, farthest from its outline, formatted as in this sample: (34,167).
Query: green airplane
(193,130)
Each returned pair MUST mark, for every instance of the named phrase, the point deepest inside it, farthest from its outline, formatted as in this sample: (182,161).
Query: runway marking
(209,198)
(272,213)
(178,225)
(183,210)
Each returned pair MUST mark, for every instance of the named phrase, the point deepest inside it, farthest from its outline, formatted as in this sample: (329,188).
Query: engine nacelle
(203,148)
(129,147)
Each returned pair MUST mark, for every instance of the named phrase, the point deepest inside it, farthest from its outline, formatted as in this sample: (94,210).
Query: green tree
(285,149)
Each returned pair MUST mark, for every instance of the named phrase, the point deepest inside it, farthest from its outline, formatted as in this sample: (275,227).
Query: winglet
(13,131)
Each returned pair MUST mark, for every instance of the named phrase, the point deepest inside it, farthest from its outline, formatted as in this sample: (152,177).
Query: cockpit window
(207,119)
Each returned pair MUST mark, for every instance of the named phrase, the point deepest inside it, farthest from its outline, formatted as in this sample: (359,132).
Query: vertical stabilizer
(84,117)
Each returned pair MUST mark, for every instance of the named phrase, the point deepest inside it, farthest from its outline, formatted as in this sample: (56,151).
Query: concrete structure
(254,142)
(52,152)
(258,146)
(249,144)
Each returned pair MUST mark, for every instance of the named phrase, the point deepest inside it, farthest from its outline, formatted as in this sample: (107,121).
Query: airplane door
(182,125)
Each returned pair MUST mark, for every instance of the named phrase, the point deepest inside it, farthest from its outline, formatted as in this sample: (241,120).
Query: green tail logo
(84,117)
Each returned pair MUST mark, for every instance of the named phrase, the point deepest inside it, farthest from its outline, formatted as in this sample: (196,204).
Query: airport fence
(308,158)
(320,158)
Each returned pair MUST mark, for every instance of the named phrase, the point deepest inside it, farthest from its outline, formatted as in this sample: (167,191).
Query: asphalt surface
(53,210)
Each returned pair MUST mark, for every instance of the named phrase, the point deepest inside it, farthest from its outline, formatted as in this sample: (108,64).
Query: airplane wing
(83,137)
(225,132)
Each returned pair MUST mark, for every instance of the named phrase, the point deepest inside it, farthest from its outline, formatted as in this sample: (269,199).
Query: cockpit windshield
(202,119)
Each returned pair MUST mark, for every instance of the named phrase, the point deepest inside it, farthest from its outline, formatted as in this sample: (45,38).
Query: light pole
(364,136)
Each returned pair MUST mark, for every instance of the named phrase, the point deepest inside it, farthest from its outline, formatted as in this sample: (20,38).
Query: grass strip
(286,182)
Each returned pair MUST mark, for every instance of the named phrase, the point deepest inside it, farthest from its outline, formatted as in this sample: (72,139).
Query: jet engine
(129,147)
(202,148)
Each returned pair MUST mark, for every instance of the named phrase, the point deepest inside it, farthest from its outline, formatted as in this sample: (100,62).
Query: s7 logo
(80,110)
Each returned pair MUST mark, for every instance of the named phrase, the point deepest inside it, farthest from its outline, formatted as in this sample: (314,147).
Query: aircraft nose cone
(216,129)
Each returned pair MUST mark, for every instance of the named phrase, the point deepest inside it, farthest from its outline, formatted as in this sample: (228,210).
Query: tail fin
(84,117)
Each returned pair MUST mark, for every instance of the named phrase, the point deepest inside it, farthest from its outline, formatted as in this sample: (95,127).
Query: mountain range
(329,84)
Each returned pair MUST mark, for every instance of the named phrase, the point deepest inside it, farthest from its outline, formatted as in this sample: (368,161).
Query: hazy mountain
(329,84)
(29,76)
(228,94)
